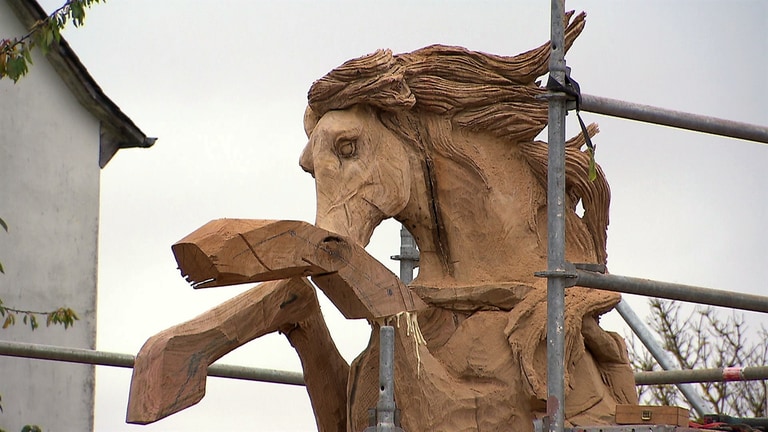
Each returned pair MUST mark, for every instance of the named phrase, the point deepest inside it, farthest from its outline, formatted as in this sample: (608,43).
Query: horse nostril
(333,239)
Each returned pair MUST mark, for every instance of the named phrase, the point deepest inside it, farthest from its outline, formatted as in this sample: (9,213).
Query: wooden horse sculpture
(443,140)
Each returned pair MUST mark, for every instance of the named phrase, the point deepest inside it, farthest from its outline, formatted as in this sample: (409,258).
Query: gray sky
(223,85)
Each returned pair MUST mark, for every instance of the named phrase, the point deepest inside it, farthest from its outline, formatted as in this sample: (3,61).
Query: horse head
(362,171)
(443,140)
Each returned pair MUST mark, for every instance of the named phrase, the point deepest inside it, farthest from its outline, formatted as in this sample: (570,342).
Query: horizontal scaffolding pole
(756,373)
(672,291)
(103,358)
(678,119)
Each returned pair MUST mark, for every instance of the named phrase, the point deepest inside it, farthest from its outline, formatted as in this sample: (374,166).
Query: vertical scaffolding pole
(385,409)
(556,227)
(409,255)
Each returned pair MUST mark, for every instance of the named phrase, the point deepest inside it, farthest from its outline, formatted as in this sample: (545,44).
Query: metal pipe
(103,358)
(256,374)
(556,226)
(385,408)
(678,119)
(409,255)
(65,354)
(672,291)
(661,356)
(679,376)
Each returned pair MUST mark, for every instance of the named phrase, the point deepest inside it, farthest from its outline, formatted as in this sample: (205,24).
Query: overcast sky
(223,86)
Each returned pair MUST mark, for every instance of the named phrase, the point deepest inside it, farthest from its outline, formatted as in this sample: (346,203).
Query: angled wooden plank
(170,371)
(234,251)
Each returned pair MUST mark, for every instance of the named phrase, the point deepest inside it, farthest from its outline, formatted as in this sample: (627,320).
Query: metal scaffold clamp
(572,90)
(568,272)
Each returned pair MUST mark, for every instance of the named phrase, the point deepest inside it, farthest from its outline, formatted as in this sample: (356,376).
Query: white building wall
(49,196)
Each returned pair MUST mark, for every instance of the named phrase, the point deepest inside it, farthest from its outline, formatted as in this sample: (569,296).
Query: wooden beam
(170,370)
(235,251)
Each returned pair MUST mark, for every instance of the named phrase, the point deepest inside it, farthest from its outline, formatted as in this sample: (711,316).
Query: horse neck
(474,229)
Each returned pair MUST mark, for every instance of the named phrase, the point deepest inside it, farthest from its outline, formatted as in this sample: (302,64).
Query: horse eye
(346,148)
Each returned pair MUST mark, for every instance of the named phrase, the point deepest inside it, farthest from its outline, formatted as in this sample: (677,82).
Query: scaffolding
(560,274)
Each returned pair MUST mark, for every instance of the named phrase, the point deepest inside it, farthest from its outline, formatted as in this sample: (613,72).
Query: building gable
(117,130)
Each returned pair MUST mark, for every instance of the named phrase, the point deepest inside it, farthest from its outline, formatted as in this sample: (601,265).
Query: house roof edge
(121,131)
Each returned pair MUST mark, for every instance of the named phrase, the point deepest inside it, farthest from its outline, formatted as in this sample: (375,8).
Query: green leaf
(1,268)
(77,13)
(27,52)
(56,26)
(3,225)
(47,37)
(17,67)
(16,54)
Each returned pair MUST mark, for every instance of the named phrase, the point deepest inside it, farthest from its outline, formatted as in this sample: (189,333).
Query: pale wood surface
(233,251)
(325,371)
(170,369)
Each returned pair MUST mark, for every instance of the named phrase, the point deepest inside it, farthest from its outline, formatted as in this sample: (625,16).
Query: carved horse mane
(414,93)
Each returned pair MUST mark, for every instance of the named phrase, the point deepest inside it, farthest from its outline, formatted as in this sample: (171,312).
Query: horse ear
(310,121)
